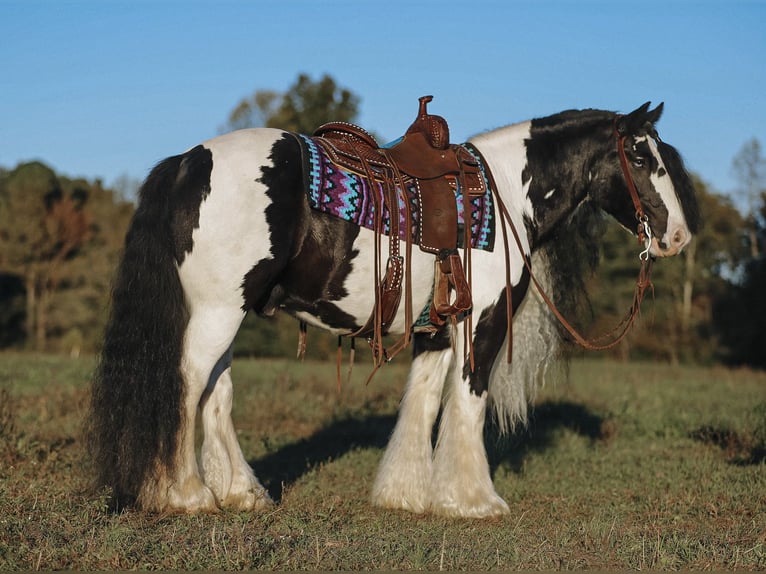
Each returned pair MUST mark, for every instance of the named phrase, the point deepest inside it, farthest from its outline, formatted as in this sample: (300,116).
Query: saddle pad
(346,194)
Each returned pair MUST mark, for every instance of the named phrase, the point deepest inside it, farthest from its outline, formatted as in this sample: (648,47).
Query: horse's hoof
(411,502)
(191,498)
(255,499)
(404,478)
(491,507)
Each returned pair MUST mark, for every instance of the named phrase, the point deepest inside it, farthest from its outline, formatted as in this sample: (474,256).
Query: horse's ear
(653,116)
(642,109)
(632,122)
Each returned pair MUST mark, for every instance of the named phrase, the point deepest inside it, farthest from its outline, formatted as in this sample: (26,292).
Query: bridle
(644,232)
(617,334)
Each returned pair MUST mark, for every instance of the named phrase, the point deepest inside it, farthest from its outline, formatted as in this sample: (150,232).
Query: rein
(643,282)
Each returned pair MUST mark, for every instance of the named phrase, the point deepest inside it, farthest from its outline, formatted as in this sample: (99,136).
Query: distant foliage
(677,320)
(305,106)
(740,312)
(59,240)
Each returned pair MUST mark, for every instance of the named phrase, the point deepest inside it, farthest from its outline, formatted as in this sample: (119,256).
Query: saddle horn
(433,127)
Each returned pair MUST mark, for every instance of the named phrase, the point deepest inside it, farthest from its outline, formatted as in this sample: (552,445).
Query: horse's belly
(333,287)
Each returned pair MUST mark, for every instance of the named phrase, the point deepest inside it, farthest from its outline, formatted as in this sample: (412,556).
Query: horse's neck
(505,153)
(542,183)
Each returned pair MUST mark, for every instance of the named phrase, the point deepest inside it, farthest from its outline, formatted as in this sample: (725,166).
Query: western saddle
(424,160)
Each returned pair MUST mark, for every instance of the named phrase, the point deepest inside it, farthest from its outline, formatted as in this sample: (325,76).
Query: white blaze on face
(677,234)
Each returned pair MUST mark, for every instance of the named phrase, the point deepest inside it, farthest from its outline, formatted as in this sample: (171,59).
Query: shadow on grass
(292,461)
(289,463)
(546,421)
(739,448)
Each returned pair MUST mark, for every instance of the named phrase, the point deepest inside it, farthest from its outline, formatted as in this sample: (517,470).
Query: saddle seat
(420,154)
(423,158)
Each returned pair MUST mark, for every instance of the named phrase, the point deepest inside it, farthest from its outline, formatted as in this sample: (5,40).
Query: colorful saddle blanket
(334,189)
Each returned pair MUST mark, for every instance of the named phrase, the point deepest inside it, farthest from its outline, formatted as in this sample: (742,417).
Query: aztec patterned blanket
(346,194)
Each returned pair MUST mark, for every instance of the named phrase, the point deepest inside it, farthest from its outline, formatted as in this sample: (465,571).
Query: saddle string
(468,330)
(504,219)
(396,266)
(395,201)
(377,343)
(302,328)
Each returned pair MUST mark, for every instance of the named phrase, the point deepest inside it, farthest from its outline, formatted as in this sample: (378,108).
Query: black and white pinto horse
(225,228)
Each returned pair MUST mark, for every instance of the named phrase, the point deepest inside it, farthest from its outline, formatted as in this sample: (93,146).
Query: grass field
(624,466)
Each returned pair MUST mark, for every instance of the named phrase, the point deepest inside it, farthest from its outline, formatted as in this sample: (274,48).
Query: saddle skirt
(337,184)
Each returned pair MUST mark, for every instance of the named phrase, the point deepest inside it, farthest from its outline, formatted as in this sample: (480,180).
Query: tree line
(60,240)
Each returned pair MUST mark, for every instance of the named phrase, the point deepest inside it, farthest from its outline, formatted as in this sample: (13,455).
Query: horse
(225,228)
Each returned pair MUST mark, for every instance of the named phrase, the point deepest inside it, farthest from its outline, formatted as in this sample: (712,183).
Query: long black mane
(572,248)
(573,253)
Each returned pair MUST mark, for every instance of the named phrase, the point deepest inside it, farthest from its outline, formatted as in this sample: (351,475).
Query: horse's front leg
(404,475)
(461,483)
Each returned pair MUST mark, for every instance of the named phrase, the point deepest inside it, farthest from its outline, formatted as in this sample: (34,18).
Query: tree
(39,228)
(53,235)
(304,107)
(705,271)
(77,318)
(740,313)
(749,167)
(677,321)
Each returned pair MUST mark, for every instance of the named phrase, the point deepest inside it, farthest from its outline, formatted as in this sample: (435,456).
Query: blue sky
(104,89)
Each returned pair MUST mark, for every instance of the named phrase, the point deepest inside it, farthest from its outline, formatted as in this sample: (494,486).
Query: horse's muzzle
(672,243)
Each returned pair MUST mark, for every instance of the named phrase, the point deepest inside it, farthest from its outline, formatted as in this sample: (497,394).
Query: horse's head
(650,192)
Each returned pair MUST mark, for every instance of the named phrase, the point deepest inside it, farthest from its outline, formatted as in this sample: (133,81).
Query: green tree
(740,313)
(77,318)
(749,167)
(702,274)
(55,240)
(677,321)
(302,108)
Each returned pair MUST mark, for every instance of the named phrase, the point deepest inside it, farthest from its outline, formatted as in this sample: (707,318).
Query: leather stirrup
(448,276)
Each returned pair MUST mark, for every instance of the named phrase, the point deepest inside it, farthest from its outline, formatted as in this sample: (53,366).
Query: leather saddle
(423,159)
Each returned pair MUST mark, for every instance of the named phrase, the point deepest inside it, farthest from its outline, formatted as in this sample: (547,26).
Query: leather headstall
(643,231)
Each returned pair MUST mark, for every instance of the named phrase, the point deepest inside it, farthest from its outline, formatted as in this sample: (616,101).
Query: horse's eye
(639,162)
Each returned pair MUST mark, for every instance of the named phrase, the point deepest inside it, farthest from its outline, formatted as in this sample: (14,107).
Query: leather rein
(616,335)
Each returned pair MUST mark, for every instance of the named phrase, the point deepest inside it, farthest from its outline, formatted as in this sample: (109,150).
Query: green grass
(624,466)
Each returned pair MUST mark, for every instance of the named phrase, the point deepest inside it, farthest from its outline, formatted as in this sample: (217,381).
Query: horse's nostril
(679,237)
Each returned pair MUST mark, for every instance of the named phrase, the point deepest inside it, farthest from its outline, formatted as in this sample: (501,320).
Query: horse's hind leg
(209,334)
(224,468)
(404,475)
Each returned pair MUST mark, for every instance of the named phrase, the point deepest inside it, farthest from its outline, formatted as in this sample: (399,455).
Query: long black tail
(138,389)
